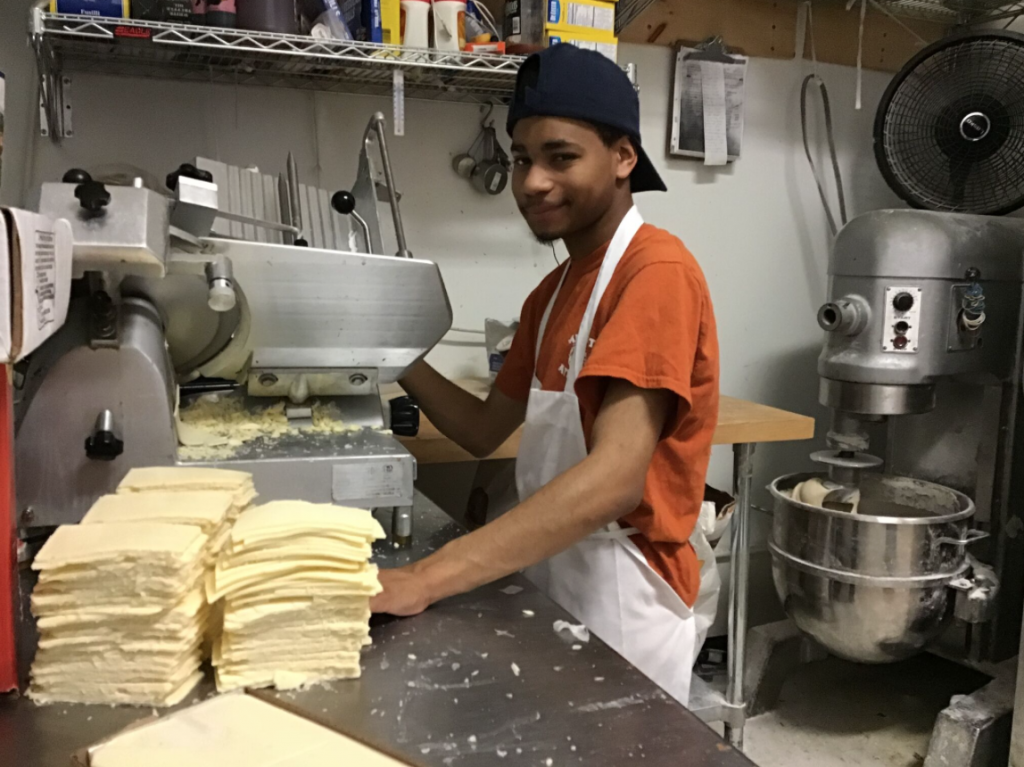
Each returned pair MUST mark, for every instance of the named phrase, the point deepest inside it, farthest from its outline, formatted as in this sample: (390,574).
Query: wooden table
(739,422)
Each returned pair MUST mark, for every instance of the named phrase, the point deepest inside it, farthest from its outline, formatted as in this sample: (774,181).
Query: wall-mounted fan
(949,133)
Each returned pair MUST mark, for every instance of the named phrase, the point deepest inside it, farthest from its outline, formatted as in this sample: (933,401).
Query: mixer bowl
(870,587)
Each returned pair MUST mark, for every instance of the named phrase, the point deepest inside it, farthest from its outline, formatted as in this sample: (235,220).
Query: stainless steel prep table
(480,679)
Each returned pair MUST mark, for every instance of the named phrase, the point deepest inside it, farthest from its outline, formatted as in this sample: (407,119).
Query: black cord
(554,255)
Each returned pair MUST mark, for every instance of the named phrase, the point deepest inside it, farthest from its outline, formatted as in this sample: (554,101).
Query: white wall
(757,226)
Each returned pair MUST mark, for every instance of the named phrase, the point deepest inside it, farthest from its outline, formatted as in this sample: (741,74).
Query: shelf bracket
(55,107)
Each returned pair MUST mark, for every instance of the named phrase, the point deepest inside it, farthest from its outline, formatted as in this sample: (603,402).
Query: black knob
(103,446)
(972,274)
(903,302)
(405,416)
(76,176)
(93,197)
(188,170)
(343,202)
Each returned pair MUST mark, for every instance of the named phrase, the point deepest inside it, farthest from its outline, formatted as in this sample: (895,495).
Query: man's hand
(404,593)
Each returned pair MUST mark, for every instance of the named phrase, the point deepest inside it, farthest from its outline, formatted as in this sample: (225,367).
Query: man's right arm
(478,426)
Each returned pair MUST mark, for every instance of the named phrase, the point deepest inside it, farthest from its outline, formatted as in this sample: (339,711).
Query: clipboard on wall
(707,103)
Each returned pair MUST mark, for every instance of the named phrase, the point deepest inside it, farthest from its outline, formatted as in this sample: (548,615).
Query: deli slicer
(160,306)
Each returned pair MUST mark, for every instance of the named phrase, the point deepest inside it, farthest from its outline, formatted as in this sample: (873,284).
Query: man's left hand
(404,593)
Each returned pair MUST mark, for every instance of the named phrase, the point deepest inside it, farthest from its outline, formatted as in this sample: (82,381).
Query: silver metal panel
(129,237)
(954,445)
(248,192)
(931,253)
(54,477)
(921,244)
(323,309)
(326,468)
(195,333)
(273,381)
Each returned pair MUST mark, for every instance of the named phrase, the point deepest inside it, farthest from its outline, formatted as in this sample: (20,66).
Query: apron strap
(547,314)
(627,229)
(624,234)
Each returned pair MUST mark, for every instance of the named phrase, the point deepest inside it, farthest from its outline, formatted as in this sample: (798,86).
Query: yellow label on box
(604,44)
(587,16)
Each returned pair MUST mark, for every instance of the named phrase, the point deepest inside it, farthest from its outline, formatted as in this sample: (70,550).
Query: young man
(614,370)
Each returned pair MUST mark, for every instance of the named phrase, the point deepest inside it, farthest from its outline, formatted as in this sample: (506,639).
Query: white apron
(605,580)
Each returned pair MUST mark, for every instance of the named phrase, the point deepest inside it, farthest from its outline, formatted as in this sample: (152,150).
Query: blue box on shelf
(114,9)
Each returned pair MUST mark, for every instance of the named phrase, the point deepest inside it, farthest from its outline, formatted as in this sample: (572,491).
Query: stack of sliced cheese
(121,613)
(212,511)
(296,584)
(121,603)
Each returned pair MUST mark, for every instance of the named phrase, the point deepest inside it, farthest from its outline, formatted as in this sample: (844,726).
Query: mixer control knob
(188,170)
(903,302)
(900,342)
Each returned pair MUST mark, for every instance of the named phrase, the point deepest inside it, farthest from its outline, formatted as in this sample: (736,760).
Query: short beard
(546,240)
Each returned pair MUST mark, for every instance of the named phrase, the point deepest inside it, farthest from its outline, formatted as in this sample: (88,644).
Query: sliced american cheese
(161,695)
(207,509)
(265,580)
(290,518)
(183,478)
(302,546)
(155,543)
(286,678)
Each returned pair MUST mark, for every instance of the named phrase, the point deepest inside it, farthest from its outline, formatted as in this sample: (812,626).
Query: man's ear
(626,158)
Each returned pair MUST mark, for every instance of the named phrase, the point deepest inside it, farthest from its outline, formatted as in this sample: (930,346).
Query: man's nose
(538,181)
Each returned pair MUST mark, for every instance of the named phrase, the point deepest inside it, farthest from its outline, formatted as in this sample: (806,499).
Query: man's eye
(565,158)
(521,162)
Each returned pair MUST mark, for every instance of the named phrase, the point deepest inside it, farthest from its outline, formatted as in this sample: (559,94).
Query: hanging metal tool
(485,165)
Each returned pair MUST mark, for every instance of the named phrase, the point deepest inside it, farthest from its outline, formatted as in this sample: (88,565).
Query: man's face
(564,177)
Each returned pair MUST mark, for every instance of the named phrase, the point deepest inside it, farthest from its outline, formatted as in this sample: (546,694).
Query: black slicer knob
(187,170)
(92,196)
(405,416)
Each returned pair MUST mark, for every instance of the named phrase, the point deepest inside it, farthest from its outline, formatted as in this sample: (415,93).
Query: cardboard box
(163,10)
(596,42)
(116,9)
(527,22)
(583,16)
(35,280)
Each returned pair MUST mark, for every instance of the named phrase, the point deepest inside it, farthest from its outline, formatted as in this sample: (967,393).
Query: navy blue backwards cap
(566,81)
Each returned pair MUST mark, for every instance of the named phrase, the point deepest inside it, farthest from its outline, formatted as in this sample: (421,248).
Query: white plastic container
(449,25)
(416,23)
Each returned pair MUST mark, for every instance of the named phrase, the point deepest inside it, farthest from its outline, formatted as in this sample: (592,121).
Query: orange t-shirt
(656,329)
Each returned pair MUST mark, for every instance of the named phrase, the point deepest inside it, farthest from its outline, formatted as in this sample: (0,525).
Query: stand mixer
(923,328)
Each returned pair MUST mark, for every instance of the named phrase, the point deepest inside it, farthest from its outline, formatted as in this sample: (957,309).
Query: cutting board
(235,730)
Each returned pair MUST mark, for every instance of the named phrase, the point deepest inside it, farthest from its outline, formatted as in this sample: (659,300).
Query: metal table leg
(743,469)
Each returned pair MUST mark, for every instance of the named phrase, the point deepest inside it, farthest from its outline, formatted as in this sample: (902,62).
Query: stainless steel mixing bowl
(872,586)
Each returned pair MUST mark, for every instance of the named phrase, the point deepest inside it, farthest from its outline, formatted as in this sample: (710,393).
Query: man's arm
(605,486)
(476,425)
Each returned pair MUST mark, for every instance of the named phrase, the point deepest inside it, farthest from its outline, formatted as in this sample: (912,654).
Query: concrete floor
(838,713)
